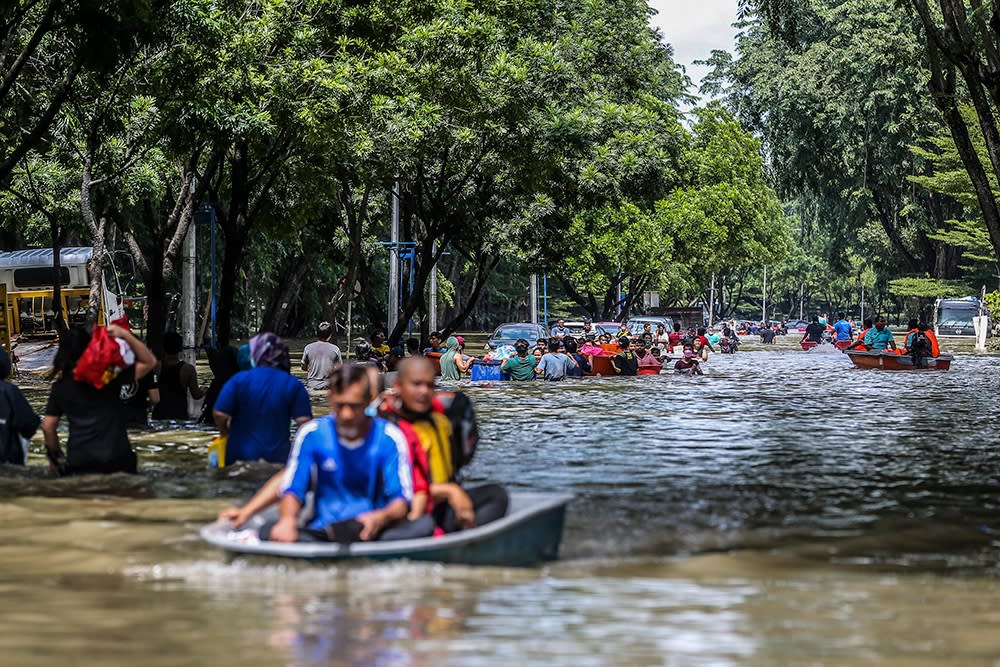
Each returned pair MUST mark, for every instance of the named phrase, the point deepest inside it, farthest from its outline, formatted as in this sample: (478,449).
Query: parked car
(508,333)
(636,324)
(609,327)
(796,325)
(576,328)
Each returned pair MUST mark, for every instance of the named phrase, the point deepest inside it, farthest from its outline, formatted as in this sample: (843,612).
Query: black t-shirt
(814,332)
(135,399)
(97,440)
(627,363)
(767,335)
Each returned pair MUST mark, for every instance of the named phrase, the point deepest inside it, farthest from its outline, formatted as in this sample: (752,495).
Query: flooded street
(784,509)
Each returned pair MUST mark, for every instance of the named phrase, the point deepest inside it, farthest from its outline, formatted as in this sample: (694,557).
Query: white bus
(29,279)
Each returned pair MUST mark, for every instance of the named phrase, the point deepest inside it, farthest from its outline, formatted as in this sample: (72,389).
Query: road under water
(784,509)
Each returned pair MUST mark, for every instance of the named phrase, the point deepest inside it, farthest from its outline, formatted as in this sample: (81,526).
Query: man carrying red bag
(88,373)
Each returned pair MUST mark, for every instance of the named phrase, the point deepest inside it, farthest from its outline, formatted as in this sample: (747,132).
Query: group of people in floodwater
(920,340)
(383,464)
(563,355)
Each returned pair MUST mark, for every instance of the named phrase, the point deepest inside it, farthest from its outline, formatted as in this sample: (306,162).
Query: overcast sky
(694,28)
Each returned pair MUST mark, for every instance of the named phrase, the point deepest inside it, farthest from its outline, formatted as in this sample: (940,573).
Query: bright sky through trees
(694,28)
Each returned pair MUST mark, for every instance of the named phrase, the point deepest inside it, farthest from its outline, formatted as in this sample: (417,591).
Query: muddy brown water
(784,509)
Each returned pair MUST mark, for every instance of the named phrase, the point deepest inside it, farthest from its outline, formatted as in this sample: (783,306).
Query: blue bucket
(487,370)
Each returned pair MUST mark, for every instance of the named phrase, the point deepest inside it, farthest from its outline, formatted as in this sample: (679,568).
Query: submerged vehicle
(509,332)
(636,324)
(953,317)
(890,361)
(529,534)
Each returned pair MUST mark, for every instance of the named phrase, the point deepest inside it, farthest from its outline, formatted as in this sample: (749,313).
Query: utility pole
(533,298)
(862,304)
(545,298)
(711,302)
(432,298)
(764,304)
(189,295)
(393,305)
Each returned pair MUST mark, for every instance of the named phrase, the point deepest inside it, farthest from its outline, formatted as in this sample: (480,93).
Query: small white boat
(530,533)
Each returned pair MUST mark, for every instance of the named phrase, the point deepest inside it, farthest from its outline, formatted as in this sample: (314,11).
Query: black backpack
(464,429)
(920,349)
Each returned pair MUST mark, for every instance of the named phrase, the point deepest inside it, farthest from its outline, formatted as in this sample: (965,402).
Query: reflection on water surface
(785,509)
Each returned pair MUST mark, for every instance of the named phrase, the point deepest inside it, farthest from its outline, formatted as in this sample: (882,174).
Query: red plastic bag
(104,358)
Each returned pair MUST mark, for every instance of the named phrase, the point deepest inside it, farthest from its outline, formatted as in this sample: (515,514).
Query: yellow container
(217,452)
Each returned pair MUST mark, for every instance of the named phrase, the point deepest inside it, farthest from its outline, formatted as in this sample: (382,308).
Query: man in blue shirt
(554,365)
(842,329)
(559,330)
(255,407)
(357,465)
(879,337)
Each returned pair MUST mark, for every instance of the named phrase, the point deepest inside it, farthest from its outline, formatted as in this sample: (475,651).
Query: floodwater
(784,509)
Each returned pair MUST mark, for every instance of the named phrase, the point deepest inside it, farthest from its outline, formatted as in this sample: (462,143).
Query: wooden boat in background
(890,361)
(530,533)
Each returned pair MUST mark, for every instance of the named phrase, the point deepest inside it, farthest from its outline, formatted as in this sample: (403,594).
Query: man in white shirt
(320,358)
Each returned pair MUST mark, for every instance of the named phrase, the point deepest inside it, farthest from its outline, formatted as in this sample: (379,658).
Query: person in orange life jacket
(922,341)
(859,344)
(911,328)
(414,403)
(932,338)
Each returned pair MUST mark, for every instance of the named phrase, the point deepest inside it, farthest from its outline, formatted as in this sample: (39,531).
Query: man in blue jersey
(842,330)
(358,467)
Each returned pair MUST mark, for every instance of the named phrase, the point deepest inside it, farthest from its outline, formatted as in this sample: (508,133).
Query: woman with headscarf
(255,406)
(453,363)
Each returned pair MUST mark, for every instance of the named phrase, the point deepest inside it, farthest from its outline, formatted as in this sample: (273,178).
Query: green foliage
(927,288)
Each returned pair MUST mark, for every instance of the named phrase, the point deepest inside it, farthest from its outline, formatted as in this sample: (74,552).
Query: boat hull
(890,361)
(529,534)
(808,344)
(648,370)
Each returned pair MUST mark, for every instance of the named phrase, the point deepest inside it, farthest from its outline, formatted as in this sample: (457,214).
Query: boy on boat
(415,409)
